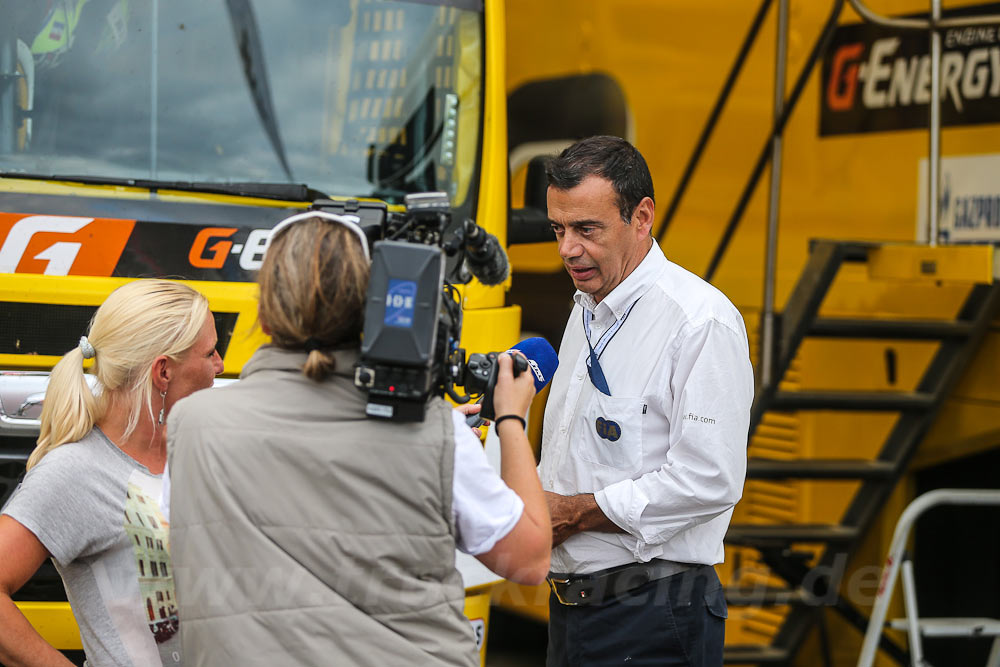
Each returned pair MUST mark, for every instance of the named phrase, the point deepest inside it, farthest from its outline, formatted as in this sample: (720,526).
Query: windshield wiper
(285,191)
(251,51)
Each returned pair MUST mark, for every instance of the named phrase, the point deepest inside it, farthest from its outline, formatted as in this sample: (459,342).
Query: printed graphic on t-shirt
(147,529)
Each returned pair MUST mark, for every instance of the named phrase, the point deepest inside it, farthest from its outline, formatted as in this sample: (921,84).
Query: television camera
(413,314)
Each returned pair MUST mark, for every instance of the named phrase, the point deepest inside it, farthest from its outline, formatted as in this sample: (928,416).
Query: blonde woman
(89,499)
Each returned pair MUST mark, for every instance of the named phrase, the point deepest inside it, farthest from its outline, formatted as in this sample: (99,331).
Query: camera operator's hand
(523,554)
(512,396)
(469,409)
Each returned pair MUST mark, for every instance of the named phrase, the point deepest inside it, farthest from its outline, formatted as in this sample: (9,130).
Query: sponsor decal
(194,251)
(58,245)
(62,245)
(209,251)
(607,429)
(877,79)
(479,628)
(970,199)
(536,370)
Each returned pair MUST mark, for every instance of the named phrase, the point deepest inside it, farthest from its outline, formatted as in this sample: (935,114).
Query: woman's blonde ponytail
(70,408)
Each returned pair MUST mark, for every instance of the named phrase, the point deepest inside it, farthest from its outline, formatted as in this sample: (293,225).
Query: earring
(163,406)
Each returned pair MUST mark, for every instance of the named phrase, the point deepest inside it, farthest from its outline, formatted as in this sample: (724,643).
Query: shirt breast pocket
(608,432)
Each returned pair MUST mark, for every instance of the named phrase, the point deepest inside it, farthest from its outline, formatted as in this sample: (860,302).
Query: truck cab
(166,139)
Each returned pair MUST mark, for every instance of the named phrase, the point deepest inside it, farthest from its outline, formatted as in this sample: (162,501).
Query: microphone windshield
(542,359)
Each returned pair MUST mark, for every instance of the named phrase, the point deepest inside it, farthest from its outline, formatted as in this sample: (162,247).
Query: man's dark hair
(611,158)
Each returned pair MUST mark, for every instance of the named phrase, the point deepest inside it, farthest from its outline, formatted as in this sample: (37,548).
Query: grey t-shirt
(96,510)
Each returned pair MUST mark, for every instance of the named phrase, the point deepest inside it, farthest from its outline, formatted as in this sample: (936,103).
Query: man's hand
(576,514)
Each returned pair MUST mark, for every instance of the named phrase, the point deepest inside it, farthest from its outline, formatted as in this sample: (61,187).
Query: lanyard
(593,364)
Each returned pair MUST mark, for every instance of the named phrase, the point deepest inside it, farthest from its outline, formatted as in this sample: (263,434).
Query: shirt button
(562,429)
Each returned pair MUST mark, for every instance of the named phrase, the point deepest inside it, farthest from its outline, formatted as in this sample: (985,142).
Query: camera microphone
(486,258)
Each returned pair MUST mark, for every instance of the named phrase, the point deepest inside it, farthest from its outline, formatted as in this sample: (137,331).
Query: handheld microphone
(542,364)
(542,359)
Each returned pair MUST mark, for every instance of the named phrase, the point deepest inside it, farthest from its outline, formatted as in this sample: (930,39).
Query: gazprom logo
(607,429)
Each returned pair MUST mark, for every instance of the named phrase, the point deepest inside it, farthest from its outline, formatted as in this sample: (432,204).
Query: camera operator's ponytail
(312,292)
(319,362)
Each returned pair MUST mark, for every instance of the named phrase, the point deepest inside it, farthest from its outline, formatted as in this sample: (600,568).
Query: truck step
(899,329)
(766,596)
(749,654)
(758,535)
(759,468)
(852,400)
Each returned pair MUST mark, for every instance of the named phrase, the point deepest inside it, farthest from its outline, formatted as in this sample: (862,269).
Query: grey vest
(303,533)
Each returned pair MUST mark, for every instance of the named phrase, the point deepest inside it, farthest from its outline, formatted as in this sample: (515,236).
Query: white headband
(347,221)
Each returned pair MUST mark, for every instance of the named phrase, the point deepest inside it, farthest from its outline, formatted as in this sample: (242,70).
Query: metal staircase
(779,545)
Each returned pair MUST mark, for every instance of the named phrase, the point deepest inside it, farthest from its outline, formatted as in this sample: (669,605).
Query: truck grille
(52,329)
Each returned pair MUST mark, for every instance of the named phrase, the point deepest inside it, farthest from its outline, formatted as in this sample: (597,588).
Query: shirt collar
(630,289)
(273,358)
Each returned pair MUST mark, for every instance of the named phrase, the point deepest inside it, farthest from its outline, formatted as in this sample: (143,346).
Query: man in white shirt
(645,434)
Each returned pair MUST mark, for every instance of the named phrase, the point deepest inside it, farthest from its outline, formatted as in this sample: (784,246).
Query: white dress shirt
(484,508)
(672,466)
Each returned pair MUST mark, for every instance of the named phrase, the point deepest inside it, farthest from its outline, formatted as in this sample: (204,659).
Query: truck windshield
(350,97)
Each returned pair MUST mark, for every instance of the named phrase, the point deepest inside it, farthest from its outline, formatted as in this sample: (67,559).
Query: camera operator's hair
(138,322)
(312,291)
(611,158)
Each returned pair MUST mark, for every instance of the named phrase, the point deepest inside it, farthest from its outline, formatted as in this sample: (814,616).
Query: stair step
(852,400)
(905,329)
(754,535)
(755,596)
(748,654)
(758,468)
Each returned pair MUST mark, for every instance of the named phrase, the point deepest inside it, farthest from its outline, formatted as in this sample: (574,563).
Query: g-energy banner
(877,79)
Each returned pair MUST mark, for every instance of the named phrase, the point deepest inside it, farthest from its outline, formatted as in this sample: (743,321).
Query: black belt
(599,587)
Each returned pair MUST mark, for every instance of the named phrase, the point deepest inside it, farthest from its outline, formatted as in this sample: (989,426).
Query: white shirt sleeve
(165,493)
(702,477)
(484,507)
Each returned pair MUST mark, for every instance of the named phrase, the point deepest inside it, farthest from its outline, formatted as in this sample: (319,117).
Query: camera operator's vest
(303,533)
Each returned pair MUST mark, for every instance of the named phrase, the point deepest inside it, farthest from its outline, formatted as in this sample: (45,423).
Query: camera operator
(303,532)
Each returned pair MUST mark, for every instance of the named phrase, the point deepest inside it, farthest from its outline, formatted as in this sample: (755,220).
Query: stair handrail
(713,118)
(933,24)
(777,129)
(871,16)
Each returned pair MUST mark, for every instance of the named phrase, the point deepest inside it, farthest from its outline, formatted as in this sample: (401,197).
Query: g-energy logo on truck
(876,79)
(59,245)
(62,245)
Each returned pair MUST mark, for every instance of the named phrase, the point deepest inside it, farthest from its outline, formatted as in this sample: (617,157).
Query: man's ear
(643,216)
(162,373)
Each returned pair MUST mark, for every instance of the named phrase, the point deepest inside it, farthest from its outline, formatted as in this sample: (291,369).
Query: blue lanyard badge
(593,363)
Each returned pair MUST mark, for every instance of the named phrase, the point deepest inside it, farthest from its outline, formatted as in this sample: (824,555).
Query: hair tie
(312,344)
(88,350)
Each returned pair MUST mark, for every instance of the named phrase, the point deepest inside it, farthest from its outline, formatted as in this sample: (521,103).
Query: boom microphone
(486,259)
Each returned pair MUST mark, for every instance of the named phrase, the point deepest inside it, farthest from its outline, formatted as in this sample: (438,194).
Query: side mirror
(531,223)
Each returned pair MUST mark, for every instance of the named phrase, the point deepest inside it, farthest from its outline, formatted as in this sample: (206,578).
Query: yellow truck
(155,138)
(875,340)
(148,138)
